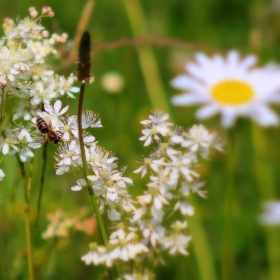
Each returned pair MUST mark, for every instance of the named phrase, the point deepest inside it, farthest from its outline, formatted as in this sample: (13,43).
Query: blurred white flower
(2,174)
(96,255)
(112,82)
(69,156)
(231,87)
(177,244)
(185,208)
(271,215)
(154,127)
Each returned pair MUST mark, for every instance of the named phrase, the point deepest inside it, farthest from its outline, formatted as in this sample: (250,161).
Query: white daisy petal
(187,99)
(207,111)
(265,116)
(186,83)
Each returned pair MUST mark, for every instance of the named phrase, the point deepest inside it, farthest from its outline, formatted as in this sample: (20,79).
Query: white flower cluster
(25,52)
(143,233)
(107,182)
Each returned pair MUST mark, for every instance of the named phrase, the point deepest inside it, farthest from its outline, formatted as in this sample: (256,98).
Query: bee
(47,130)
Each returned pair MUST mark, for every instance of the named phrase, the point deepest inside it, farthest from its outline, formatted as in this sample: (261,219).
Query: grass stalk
(27,189)
(42,182)
(265,183)
(146,57)
(227,250)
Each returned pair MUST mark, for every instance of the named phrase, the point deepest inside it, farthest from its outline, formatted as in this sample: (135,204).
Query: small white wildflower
(150,134)
(153,232)
(65,86)
(98,157)
(66,125)
(81,183)
(154,164)
(156,118)
(113,215)
(9,143)
(181,163)
(177,243)
(96,255)
(194,187)
(69,156)
(185,208)
(55,111)
(200,139)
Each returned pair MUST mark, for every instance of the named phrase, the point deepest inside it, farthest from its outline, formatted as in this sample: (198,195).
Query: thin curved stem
(89,188)
(27,188)
(2,106)
(42,181)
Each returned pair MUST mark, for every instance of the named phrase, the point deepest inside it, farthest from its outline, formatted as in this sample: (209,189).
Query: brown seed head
(84,63)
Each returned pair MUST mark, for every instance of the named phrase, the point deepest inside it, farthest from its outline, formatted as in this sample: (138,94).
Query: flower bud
(33,12)
(84,63)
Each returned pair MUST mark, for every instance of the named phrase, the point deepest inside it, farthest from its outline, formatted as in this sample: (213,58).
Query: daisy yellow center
(232,92)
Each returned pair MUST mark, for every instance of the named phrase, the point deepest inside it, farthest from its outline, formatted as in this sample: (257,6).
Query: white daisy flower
(231,87)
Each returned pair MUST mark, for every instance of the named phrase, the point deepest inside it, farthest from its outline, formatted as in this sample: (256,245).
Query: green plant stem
(27,189)
(84,168)
(201,245)
(2,107)
(227,252)
(42,181)
(147,59)
(265,182)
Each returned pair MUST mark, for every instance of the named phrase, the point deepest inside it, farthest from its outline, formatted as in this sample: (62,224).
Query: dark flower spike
(84,63)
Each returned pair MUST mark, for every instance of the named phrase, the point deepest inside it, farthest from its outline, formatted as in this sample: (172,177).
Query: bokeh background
(210,26)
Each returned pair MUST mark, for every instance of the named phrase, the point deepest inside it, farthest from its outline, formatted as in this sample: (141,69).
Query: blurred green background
(210,26)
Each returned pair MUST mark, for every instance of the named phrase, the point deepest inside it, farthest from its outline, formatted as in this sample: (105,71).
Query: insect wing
(36,143)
